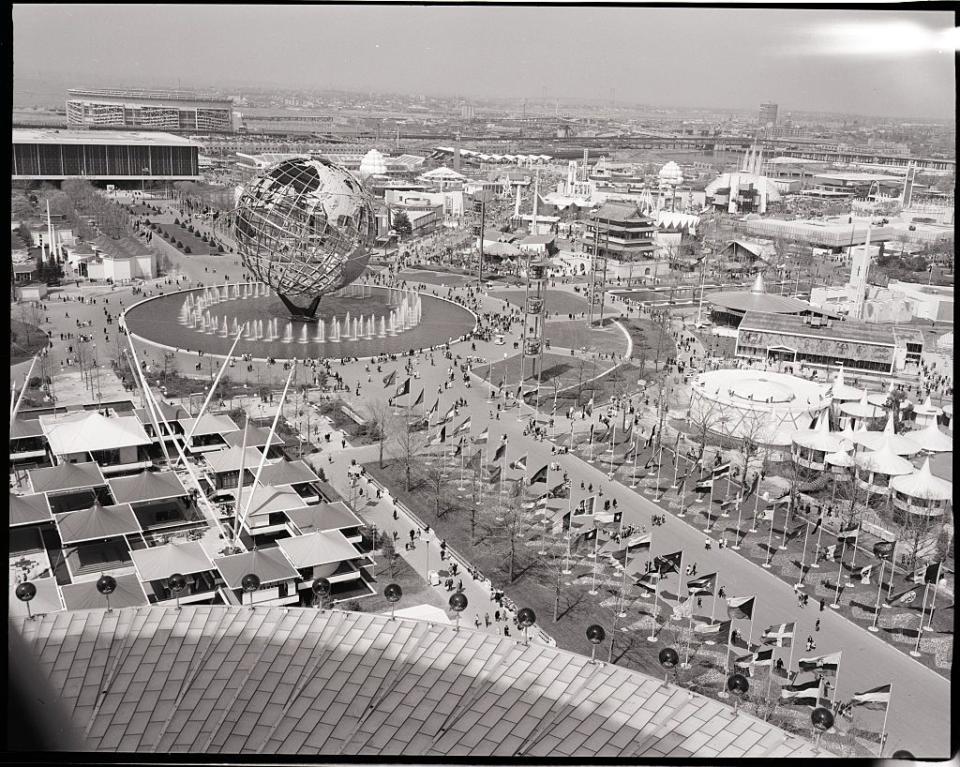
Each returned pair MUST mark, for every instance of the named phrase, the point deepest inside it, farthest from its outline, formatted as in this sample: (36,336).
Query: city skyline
(881,62)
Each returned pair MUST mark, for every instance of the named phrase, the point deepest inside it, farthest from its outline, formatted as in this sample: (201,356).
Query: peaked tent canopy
(923,485)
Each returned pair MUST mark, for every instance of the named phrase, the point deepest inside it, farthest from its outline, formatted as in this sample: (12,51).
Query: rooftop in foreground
(302,681)
(98,137)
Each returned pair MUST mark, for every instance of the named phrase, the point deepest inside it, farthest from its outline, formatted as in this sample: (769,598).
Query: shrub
(187,250)
(176,222)
(219,248)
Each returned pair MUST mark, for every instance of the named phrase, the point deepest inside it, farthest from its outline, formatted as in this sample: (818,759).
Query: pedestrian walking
(822,605)
(817,626)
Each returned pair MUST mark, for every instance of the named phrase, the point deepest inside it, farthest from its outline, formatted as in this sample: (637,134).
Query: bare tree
(382,423)
(409,447)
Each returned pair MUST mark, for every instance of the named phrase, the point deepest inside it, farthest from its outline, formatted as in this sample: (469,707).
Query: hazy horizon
(872,63)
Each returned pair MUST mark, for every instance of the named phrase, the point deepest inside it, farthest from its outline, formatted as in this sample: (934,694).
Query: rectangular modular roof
(29,509)
(318,549)
(160,562)
(97,523)
(147,486)
(269,565)
(287,473)
(324,516)
(84,596)
(66,476)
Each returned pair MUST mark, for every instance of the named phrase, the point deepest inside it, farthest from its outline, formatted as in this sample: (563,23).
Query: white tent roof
(898,443)
(932,439)
(160,562)
(928,408)
(860,409)
(89,430)
(820,438)
(318,549)
(922,484)
(842,392)
(839,459)
(884,461)
(443,173)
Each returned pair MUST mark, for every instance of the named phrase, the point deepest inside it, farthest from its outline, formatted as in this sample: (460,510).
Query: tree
(409,447)
(381,419)
(401,223)
(389,553)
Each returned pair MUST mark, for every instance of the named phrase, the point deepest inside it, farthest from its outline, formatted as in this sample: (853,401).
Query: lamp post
(458,603)
(595,635)
(526,618)
(106,585)
(669,658)
(321,590)
(177,583)
(26,591)
(250,583)
(392,594)
(738,685)
(822,720)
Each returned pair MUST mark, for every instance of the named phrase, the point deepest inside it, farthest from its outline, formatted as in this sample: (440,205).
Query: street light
(669,658)
(177,583)
(392,594)
(321,590)
(106,585)
(595,635)
(822,720)
(526,618)
(458,603)
(26,591)
(250,583)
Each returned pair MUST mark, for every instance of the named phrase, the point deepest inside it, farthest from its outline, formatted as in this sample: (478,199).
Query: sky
(857,62)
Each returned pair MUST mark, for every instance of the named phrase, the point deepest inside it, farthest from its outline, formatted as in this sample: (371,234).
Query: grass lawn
(25,341)
(563,367)
(554,300)
(177,233)
(437,278)
(416,590)
(574,334)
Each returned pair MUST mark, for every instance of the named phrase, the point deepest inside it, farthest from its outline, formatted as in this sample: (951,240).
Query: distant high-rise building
(467,111)
(146,109)
(768,115)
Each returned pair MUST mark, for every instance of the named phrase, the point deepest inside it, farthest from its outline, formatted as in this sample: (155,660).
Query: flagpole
(713,609)
(836,685)
(933,599)
(686,652)
(793,644)
(680,490)
(756,504)
(836,599)
(622,613)
(676,460)
(893,569)
(736,546)
(773,651)
(636,450)
(679,580)
(876,610)
(819,536)
(773,513)
(886,711)
(658,495)
(803,558)
(460,485)
(709,526)
(613,442)
(753,613)
(915,652)
(656,608)
(590,446)
(786,524)
(596,558)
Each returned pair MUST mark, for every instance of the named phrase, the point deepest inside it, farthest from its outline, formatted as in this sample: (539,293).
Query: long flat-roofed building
(815,341)
(114,156)
(148,109)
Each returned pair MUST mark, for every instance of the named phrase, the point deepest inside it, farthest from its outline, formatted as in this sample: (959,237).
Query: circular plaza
(357,321)
(763,406)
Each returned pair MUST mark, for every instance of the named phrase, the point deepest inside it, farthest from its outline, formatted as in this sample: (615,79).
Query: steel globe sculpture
(304,227)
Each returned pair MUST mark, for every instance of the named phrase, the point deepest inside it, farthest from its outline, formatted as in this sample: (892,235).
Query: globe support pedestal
(301,313)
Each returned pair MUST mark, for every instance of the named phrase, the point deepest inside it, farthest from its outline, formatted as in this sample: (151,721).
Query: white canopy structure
(898,443)
(860,409)
(90,431)
(932,440)
(821,438)
(884,460)
(927,413)
(840,460)
(841,391)
(923,485)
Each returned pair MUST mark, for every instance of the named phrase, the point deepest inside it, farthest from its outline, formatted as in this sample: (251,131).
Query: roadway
(919,718)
